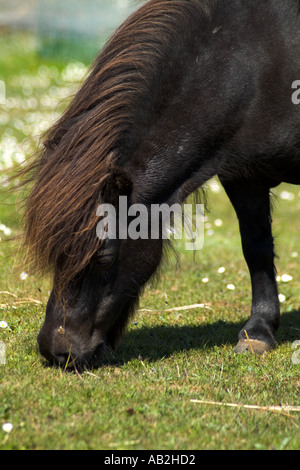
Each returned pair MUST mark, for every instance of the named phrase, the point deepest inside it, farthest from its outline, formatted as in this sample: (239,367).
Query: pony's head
(97,303)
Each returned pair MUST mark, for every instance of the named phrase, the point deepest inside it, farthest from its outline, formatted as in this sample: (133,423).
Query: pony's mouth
(91,360)
(70,361)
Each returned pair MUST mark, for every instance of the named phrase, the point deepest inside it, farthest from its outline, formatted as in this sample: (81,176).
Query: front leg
(252,205)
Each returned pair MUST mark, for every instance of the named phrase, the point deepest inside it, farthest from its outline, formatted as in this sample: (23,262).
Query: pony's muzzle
(64,352)
(56,348)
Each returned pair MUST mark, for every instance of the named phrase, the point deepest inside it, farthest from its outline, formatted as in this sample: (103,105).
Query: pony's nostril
(62,359)
(56,349)
(55,359)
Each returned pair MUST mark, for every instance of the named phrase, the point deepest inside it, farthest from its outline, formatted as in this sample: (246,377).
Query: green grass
(141,398)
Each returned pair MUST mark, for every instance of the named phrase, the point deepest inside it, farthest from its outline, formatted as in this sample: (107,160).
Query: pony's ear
(117,183)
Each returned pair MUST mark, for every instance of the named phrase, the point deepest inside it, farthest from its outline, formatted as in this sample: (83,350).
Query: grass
(141,398)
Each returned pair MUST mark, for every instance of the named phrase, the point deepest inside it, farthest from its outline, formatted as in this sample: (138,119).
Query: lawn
(142,396)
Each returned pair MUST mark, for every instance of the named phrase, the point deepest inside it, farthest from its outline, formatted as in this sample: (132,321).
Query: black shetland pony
(184,90)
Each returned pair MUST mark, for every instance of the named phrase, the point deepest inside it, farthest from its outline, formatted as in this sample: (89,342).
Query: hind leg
(252,205)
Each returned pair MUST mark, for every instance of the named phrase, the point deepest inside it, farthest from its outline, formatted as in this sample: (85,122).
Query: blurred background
(75,28)
(46,48)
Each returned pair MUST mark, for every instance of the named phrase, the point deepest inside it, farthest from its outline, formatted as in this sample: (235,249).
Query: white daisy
(287,196)
(231,287)
(218,222)
(7,427)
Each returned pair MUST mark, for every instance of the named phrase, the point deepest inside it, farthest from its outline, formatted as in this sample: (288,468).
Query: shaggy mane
(80,152)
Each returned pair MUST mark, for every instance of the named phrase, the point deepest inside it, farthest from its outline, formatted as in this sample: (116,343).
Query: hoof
(252,346)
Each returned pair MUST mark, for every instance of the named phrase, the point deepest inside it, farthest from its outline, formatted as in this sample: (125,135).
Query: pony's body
(184,91)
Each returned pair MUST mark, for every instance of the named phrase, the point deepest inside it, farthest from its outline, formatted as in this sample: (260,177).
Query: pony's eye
(107,254)
(105,260)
